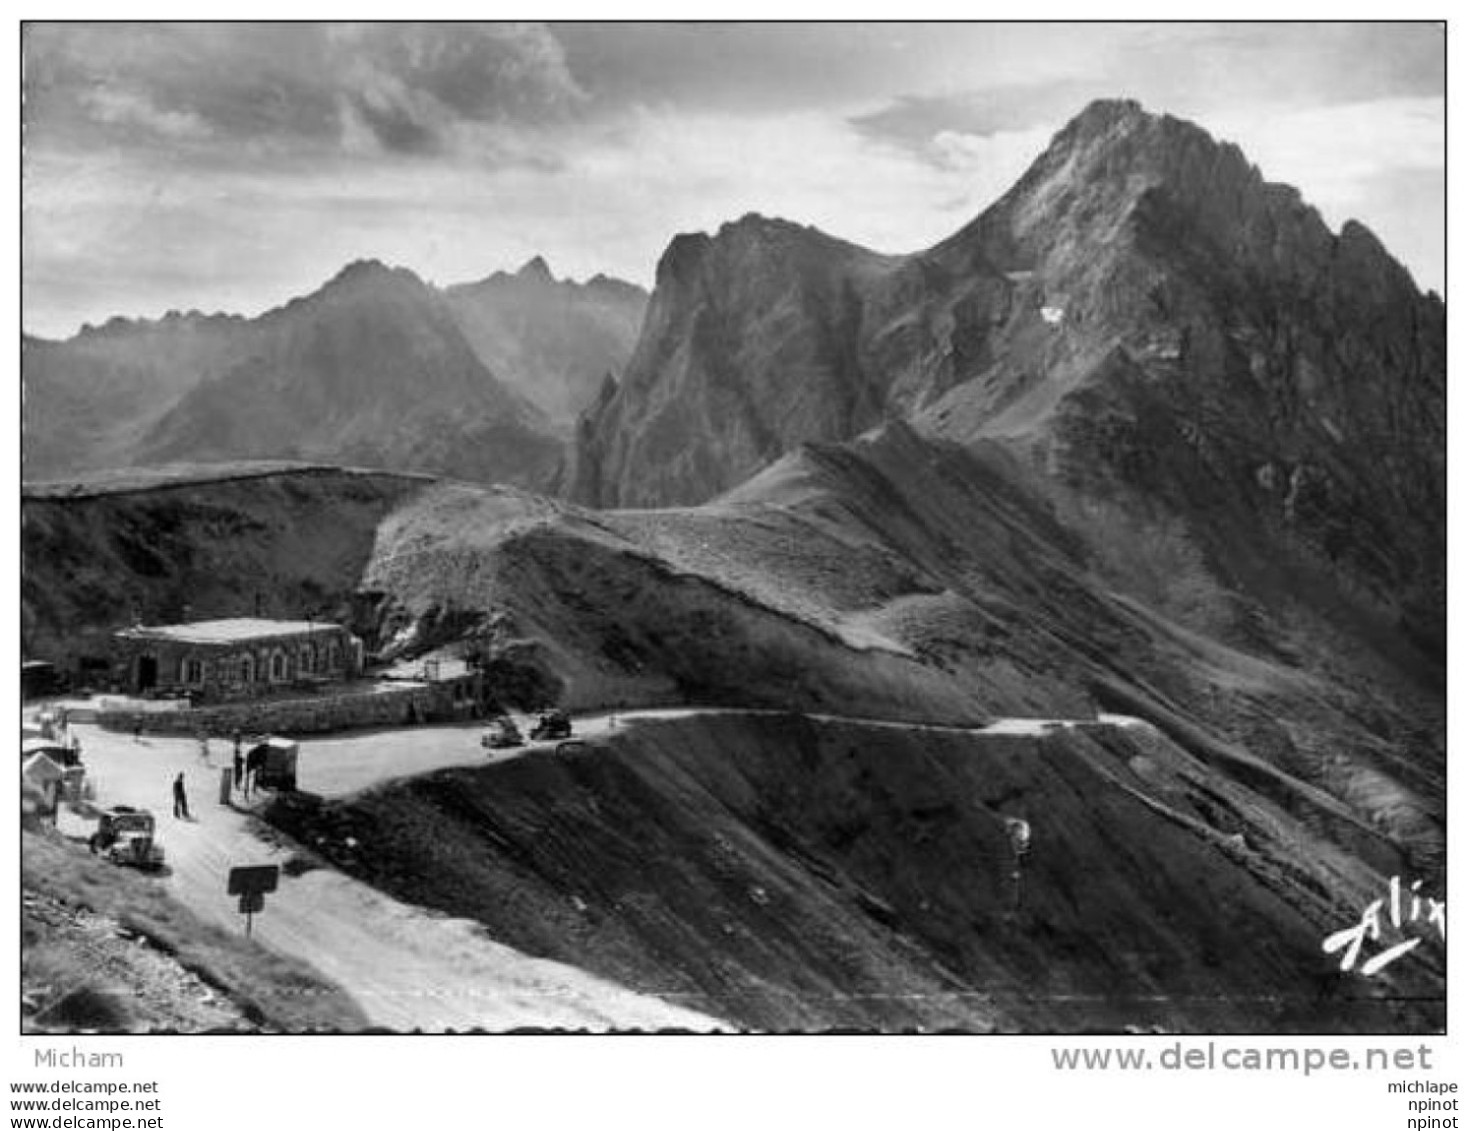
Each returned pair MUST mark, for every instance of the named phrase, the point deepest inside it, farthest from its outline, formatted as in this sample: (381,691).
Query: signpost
(250,884)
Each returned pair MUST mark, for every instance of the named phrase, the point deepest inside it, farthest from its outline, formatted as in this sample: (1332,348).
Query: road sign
(251,883)
(254,878)
(252,903)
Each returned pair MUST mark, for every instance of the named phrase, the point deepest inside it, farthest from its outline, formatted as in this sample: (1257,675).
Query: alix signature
(1403,909)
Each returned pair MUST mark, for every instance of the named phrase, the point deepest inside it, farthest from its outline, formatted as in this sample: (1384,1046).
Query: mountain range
(480,381)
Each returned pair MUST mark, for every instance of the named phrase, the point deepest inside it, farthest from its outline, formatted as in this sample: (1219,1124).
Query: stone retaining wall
(384,707)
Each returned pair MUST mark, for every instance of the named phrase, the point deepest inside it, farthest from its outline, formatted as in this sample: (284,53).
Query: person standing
(180,799)
(239,766)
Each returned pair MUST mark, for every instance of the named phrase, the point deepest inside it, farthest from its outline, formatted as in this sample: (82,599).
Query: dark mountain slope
(786,873)
(1218,357)
(1315,694)
(202,543)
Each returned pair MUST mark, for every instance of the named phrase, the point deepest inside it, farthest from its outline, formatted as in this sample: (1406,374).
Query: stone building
(240,658)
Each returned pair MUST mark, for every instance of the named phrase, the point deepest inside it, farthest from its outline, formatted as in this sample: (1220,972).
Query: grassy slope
(270,990)
(211,540)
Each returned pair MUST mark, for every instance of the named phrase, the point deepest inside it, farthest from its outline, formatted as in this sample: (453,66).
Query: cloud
(406,88)
(1332,147)
(234,166)
(917,122)
(1191,70)
(415,86)
(124,107)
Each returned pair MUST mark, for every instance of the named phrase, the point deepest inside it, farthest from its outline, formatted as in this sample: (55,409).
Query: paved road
(345,764)
(407,967)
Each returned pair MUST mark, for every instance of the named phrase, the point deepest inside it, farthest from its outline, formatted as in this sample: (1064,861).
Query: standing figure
(253,762)
(180,799)
(1020,835)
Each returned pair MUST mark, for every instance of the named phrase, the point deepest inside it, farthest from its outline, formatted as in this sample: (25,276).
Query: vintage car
(502,734)
(127,836)
(551,725)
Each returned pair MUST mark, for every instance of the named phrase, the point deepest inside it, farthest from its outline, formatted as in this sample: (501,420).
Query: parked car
(127,836)
(502,734)
(551,725)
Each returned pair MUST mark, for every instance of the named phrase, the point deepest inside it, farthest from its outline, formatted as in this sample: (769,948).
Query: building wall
(240,670)
(445,701)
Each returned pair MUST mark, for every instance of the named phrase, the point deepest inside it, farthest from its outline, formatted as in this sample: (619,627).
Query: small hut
(43,779)
(272,762)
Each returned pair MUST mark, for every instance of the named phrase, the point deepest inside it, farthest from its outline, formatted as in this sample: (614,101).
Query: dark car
(551,725)
(502,734)
(127,836)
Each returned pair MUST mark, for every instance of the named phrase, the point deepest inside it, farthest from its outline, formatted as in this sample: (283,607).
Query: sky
(234,166)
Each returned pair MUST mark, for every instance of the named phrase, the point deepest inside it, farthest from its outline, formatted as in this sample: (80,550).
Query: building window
(193,672)
(308,658)
(277,665)
(333,657)
(247,669)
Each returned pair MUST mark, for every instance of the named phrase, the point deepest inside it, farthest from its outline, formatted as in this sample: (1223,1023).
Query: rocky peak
(683,257)
(535,270)
(603,284)
(368,270)
(753,240)
(366,284)
(1114,158)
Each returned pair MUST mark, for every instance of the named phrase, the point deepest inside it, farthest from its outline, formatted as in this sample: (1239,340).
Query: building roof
(272,741)
(234,630)
(39,768)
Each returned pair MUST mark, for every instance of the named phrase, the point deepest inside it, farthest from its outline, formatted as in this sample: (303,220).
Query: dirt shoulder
(110,951)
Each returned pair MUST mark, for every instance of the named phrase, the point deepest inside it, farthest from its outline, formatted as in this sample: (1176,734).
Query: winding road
(407,968)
